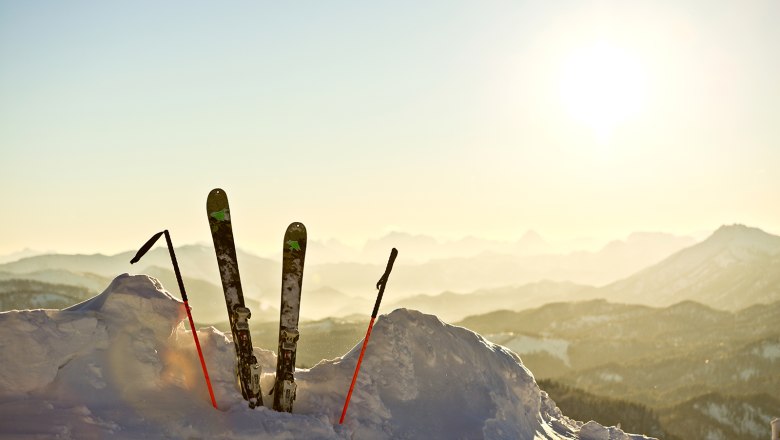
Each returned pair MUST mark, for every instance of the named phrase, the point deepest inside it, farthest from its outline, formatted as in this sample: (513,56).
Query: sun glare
(602,86)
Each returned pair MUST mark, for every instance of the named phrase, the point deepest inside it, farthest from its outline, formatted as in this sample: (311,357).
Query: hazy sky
(448,118)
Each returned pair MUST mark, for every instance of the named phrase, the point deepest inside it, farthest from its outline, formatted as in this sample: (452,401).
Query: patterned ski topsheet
(248,370)
(294,248)
(218,212)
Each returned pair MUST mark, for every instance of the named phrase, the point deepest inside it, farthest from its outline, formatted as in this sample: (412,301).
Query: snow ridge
(123,365)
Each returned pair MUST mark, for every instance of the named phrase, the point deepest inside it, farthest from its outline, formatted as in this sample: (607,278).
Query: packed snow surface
(123,365)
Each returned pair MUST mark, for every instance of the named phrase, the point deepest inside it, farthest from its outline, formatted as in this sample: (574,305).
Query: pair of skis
(247,368)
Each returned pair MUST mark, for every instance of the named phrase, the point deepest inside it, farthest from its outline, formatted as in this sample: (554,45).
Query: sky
(446,118)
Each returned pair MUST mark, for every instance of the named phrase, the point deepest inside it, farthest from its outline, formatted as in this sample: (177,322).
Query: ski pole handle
(148,245)
(383,281)
(145,248)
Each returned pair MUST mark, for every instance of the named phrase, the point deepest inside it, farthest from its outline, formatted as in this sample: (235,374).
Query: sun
(602,86)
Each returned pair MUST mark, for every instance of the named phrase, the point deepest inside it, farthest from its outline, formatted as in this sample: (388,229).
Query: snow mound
(422,378)
(123,365)
(38,344)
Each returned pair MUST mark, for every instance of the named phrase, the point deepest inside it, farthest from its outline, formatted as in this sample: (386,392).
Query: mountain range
(735,267)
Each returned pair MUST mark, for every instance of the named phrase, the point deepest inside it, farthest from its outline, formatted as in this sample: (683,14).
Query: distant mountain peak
(532,236)
(400,236)
(742,236)
(639,236)
(690,306)
(736,229)
(732,269)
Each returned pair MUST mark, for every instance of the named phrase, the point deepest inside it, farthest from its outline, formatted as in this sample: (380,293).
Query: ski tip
(297,227)
(217,200)
(295,237)
(217,192)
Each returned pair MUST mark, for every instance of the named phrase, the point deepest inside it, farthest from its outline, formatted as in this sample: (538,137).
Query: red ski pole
(381,286)
(145,248)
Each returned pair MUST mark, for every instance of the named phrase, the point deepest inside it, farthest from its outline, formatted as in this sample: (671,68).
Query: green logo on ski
(220,215)
(294,246)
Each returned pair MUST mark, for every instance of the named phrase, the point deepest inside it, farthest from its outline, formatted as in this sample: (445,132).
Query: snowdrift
(123,365)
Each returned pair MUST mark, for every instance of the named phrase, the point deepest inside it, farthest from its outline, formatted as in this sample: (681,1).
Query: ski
(292,279)
(247,368)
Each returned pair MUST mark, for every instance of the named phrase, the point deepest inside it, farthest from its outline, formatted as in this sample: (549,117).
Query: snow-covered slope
(122,365)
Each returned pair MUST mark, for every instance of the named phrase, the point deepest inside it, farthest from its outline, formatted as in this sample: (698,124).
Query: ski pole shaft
(357,369)
(381,286)
(189,317)
(200,355)
(144,249)
(175,266)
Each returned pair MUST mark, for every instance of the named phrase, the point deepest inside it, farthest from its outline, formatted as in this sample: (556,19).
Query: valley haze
(479,276)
